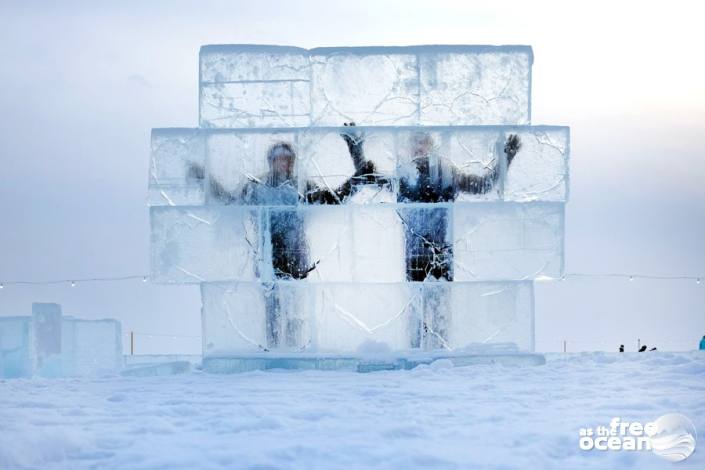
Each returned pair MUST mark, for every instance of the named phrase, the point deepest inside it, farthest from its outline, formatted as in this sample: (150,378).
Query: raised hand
(195,171)
(511,147)
(355,141)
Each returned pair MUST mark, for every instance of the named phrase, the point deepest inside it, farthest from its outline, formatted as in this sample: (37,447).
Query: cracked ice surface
(540,170)
(271,86)
(195,244)
(336,318)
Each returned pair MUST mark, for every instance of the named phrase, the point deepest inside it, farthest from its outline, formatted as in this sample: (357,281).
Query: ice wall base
(247,363)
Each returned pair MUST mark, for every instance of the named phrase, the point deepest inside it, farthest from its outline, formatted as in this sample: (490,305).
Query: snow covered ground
(433,416)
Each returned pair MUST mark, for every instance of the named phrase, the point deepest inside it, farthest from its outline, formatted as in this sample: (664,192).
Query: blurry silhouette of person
(428,251)
(289,253)
(653,349)
(702,344)
(642,349)
(621,348)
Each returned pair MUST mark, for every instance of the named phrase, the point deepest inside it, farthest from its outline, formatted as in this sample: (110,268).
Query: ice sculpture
(342,205)
(48,344)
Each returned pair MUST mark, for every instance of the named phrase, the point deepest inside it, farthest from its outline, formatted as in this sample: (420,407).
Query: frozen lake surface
(433,416)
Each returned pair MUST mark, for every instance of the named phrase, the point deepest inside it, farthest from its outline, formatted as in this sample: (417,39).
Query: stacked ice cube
(221,220)
(48,344)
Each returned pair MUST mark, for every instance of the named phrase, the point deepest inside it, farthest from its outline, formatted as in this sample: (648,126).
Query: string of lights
(568,276)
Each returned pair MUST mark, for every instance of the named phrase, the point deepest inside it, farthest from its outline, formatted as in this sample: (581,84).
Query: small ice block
(91,347)
(16,347)
(46,322)
(176,169)
(507,241)
(158,370)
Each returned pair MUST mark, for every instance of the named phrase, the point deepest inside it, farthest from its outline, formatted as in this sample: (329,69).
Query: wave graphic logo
(673,437)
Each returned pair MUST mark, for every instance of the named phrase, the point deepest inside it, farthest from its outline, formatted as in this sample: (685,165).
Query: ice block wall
(272,86)
(324,260)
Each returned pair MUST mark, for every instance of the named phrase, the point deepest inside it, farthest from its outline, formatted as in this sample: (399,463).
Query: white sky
(82,84)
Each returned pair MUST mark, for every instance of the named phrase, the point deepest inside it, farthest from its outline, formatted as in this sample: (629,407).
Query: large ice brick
(176,167)
(253,317)
(507,241)
(475,85)
(354,317)
(327,165)
(238,170)
(371,86)
(254,86)
(362,243)
(46,322)
(539,172)
(459,164)
(91,346)
(16,347)
(197,244)
(487,314)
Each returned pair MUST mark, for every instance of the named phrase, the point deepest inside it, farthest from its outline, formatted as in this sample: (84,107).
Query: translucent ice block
(540,170)
(270,86)
(328,164)
(487,314)
(254,86)
(255,317)
(462,164)
(359,318)
(195,244)
(91,347)
(176,168)
(238,168)
(475,85)
(507,241)
(16,347)
(355,243)
(46,322)
(371,86)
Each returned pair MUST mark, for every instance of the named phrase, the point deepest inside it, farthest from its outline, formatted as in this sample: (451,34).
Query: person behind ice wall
(289,249)
(429,178)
